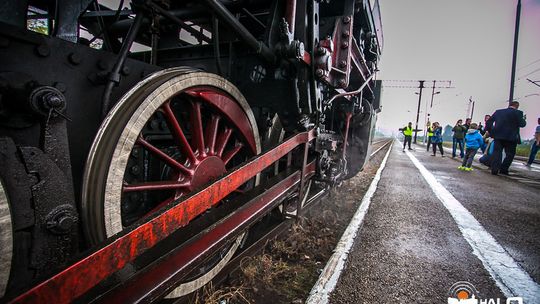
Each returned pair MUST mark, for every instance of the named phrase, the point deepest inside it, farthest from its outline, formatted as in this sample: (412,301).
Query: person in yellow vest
(407,132)
(429,135)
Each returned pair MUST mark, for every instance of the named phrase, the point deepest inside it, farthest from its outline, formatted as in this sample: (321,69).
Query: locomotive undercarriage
(129,162)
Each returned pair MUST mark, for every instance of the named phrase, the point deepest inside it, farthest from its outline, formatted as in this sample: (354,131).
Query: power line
(529,64)
(411,87)
(535,82)
(407,86)
(534,71)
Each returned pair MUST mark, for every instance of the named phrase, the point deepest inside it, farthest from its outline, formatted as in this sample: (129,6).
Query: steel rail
(127,245)
(380,148)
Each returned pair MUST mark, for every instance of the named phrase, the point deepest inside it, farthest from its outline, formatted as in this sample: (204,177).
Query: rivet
(74,58)
(43,50)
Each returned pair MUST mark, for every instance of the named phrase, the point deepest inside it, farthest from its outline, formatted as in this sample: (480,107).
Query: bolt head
(154,124)
(135,170)
(346,19)
(43,50)
(346,33)
(342,63)
(75,58)
(319,73)
(126,70)
(65,223)
(52,100)
(344,44)
(342,83)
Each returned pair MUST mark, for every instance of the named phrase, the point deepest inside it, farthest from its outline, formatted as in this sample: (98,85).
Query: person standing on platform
(480,129)
(429,135)
(467,124)
(483,132)
(436,139)
(407,132)
(474,141)
(503,127)
(535,145)
(459,133)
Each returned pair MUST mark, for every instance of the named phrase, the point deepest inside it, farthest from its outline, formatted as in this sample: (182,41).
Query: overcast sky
(466,41)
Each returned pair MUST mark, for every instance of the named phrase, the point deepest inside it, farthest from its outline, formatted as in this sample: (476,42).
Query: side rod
(127,245)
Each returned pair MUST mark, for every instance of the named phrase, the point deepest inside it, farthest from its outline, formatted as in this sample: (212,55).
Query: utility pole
(432,94)
(472,111)
(426,114)
(514,56)
(421,86)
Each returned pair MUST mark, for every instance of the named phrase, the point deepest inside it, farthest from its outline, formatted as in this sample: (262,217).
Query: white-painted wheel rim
(179,81)
(6,240)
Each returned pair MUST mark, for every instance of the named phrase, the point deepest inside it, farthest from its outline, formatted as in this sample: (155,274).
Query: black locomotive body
(112,113)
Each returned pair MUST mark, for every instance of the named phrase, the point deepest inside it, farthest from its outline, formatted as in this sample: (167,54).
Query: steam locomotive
(143,143)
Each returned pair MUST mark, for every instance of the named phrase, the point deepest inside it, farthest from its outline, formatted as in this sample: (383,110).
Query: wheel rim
(6,240)
(212,128)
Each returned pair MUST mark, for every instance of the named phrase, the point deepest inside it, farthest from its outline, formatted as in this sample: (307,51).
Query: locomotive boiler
(144,143)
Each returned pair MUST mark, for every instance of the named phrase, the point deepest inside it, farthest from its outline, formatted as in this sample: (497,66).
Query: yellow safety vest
(429,132)
(407,131)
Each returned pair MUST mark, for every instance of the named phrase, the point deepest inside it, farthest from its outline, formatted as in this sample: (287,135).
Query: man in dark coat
(504,126)
(457,139)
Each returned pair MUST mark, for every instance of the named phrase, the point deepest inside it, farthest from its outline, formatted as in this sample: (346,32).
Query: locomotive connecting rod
(156,280)
(127,245)
(241,30)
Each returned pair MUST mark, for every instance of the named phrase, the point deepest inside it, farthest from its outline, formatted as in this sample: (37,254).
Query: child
(473,142)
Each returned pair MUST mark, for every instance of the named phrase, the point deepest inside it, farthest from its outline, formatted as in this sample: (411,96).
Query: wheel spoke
(211,133)
(179,136)
(231,153)
(164,157)
(197,128)
(160,185)
(222,141)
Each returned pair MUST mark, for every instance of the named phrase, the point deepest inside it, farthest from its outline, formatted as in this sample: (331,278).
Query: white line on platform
(508,275)
(328,279)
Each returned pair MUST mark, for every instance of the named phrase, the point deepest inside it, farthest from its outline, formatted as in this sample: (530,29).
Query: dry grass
(210,295)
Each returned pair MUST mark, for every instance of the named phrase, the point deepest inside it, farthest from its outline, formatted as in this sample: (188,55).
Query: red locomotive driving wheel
(167,137)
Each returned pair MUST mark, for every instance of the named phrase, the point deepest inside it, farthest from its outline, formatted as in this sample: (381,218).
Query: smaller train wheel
(169,136)
(6,239)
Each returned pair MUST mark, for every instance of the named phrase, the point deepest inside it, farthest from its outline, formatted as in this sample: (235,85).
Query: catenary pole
(421,86)
(472,110)
(514,55)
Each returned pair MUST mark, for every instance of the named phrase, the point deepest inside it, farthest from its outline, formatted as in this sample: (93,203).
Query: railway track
(274,231)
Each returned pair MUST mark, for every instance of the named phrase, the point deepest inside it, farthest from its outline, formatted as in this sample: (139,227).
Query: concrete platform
(430,225)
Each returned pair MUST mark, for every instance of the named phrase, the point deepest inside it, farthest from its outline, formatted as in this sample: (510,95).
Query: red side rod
(80,277)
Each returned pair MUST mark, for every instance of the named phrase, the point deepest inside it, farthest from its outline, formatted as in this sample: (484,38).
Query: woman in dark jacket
(436,140)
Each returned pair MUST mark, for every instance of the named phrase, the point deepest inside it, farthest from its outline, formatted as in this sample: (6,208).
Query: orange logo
(462,293)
